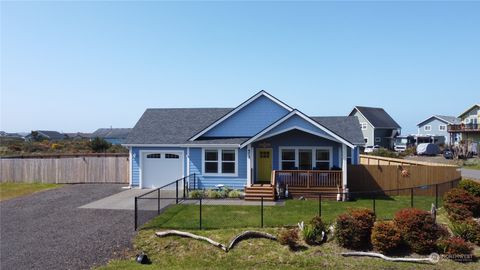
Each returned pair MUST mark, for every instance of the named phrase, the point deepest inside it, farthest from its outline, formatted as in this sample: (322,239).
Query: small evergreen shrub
(469,230)
(353,229)
(196,194)
(457,196)
(455,247)
(213,194)
(470,186)
(235,194)
(418,229)
(385,237)
(288,237)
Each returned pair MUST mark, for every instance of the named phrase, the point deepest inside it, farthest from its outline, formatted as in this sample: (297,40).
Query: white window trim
(219,162)
(444,128)
(314,154)
(378,139)
(364,125)
(429,127)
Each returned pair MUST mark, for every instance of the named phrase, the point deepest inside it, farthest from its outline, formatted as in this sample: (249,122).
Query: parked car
(371,149)
(448,153)
(428,149)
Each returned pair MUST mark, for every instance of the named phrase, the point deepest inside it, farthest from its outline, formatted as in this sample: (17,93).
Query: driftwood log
(433,258)
(243,236)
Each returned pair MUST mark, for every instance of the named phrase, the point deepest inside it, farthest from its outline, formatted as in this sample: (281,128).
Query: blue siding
(250,120)
(296,120)
(435,124)
(237,182)
(135,170)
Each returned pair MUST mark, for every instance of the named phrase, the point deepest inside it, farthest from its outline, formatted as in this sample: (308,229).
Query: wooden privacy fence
(376,160)
(67,170)
(392,177)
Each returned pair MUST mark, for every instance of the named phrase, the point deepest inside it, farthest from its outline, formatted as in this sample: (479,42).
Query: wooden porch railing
(307,179)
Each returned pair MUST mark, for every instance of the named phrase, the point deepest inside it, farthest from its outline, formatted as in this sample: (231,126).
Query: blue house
(261,144)
(436,125)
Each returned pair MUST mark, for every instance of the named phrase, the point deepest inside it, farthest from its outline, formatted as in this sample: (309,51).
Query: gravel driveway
(47,230)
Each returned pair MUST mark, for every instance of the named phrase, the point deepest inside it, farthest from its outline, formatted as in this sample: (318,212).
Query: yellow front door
(264,164)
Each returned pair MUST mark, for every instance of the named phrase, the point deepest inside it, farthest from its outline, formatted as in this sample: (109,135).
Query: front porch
(306,183)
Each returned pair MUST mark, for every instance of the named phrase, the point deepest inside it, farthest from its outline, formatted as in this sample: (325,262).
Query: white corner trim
(130,166)
(249,165)
(344,165)
(219,162)
(188,161)
(238,108)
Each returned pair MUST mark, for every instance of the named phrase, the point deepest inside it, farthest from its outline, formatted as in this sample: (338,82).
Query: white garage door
(161,168)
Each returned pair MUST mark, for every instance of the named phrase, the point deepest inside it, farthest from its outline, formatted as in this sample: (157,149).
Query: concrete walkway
(121,201)
(471,174)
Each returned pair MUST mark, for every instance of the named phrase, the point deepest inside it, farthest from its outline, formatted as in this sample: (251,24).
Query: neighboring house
(377,126)
(11,135)
(241,147)
(45,135)
(112,135)
(78,135)
(469,126)
(436,125)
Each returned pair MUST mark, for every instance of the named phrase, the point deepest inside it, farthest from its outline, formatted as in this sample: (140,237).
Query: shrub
(99,145)
(458,196)
(468,230)
(470,186)
(213,194)
(457,211)
(312,232)
(196,194)
(288,237)
(235,194)
(224,192)
(385,237)
(353,229)
(454,247)
(418,229)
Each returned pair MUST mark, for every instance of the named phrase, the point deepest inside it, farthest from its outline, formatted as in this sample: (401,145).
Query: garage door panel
(161,168)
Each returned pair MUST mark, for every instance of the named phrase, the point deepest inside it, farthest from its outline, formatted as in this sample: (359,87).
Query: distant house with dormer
(40,135)
(436,125)
(112,135)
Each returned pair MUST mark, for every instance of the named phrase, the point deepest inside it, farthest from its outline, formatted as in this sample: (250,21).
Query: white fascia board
(241,106)
(306,118)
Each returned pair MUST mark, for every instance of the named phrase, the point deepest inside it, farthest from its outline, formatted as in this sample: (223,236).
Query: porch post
(344,166)
(249,165)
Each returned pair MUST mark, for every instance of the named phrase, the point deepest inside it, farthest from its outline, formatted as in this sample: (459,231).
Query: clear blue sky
(84,65)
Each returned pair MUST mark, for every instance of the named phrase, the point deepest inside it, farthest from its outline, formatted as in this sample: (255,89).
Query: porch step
(256,192)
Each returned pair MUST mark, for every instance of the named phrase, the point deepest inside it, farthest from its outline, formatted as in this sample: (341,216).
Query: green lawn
(472,166)
(12,190)
(186,216)
(183,253)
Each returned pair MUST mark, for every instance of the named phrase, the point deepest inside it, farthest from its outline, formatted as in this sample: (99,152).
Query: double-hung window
(288,159)
(220,161)
(322,161)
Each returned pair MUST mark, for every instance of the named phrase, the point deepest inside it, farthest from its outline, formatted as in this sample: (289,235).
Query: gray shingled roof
(52,135)
(346,127)
(173,126)
(445,118)
(117,133)
(378,117)
(177,126)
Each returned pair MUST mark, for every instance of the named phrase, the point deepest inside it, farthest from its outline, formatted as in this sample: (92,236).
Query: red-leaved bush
(455,247)
(418,229)
(460,204)
(385,237)
(354,228)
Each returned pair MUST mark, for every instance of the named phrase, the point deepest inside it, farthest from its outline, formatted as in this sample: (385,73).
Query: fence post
(436,196)
(176,191)
(320,204)
(451,184)
(261,212)
(158,202)
(184,186)
(136,217)
(194,181)
(411,197)
(200,213)
(374,204)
